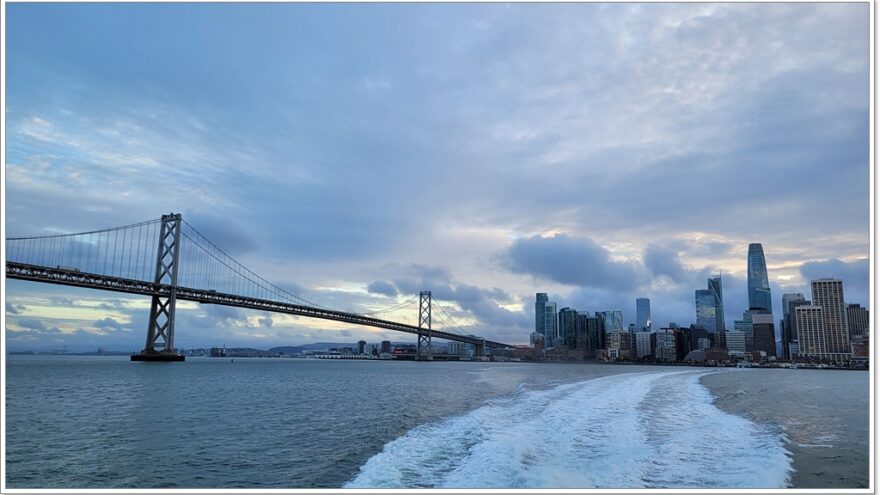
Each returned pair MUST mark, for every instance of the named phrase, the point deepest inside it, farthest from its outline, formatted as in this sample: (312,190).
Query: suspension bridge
(168,260)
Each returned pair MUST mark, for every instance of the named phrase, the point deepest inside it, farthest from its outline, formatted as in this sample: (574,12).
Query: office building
(590,331)
(764,334)
(704,302)
(709,304)
(644,345)
(715,288)
(386,346)
(612,319)
(455,348)
(736,343)
(744,326)
(828,295)
(789,331)
(758,283)
(665,348)
(567,328)
(545,319)
(619,344)
(361,346)
(810,324)
(643,314)
(856,320)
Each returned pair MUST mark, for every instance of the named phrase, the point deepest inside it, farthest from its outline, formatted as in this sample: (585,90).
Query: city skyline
(377,163)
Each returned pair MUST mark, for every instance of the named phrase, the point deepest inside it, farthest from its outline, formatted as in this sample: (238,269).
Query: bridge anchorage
(189,267)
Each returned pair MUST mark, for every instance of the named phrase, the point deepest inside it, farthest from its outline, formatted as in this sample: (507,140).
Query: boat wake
(639,430)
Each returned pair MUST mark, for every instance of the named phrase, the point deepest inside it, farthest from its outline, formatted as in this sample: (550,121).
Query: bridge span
(44,259)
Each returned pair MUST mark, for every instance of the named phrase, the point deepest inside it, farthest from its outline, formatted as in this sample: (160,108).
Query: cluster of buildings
(823,329)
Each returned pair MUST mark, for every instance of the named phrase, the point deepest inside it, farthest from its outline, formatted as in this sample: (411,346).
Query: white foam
(655,429)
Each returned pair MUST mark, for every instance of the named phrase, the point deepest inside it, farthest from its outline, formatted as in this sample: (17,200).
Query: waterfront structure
(613,319)
(567,328)
(789,329)
(386,346)
(810,325)
(856,320)
(764,334)
(643,314)
(758,283)
(828,294)
(545,319)
(361,346)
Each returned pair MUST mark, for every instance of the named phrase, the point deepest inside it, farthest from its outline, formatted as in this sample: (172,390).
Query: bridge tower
(423,352)
(160,328)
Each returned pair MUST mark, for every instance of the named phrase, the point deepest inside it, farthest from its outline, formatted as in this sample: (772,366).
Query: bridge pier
(160,328)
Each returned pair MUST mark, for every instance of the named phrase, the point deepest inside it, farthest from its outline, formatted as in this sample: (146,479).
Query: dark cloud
(266,322)
(382,287)
(664,261)
(32,324)
(107,324)
(14,309)
(572,261)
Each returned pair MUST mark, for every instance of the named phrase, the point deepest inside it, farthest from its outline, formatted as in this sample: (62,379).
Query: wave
(637,430)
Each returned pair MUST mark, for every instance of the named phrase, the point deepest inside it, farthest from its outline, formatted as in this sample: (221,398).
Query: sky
(359,153)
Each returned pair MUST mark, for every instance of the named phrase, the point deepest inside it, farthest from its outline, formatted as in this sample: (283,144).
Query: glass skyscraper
(643,314)
(715,288)
(759,284)
(704,301)
(545,318)
(709,304)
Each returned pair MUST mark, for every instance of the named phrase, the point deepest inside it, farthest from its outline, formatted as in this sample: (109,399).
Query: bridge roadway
(34,273)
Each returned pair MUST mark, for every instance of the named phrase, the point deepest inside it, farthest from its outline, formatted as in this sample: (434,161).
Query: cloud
(382,287)
(266,322)
(108,324)
(14,309)
(571,261)
(664,261)
(855,275)
(32,324)
(436,158)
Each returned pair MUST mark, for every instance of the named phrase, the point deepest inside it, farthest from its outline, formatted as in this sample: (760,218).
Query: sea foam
(652,430)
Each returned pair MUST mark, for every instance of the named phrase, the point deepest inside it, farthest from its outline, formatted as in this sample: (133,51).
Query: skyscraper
(715,287)
(643,314)
(810,332)
(545,319)
(704,302)
(567,328)
(759,284)
(540,300)
(709,304)
(789,324)
(828,295)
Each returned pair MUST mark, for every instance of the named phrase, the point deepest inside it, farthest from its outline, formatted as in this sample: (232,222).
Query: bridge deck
(22,271)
